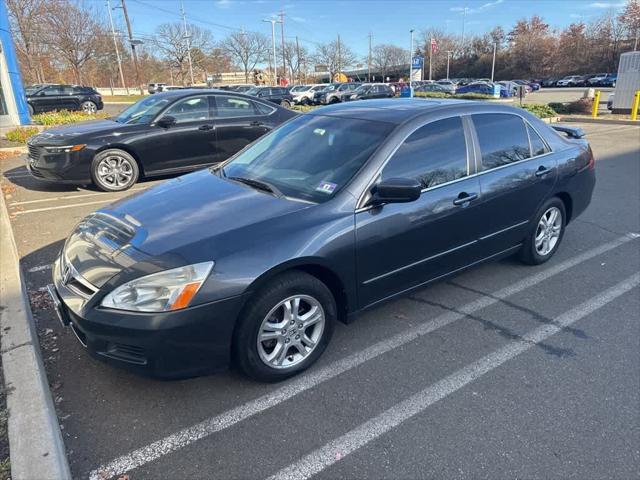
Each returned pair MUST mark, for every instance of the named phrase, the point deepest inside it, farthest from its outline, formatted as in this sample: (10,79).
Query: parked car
(482,88)
(433,87)
(524,83)
(596,80)
(369,91)
(512,87)
(64,97)
(609,80)
(162,134)
(303,94)
(448,85)
(570,81)
(334,93)
(155,87)
(257,259)
(610,101)
(167,88)
(549,82)
(277,95)
(244,88)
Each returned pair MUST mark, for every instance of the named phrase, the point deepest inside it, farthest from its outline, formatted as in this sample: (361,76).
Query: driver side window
(434,154)
(190,109)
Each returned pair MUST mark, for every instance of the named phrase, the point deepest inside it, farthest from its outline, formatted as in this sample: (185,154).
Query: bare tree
(73,34)
(336,57)
(246,48)
(297,58)
(172,45)
(386,56)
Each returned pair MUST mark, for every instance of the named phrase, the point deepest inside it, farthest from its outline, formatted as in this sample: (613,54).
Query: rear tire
(545,234)
(272,331)
(30,108)
(285,104)
(114,170)
(89,107)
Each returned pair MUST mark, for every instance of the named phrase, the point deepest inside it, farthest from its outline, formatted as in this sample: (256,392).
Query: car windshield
(300,88)
(252,91)
(310,158)
(362,89)
(143,111)
(330,87)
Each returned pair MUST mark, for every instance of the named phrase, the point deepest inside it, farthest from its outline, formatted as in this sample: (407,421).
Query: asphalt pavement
(505,371)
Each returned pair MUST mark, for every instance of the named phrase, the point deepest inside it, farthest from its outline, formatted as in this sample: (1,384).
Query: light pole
(493,64)
(411,64)
(448,56)
(273,22)
(133,44)
(187,37)
(115,44)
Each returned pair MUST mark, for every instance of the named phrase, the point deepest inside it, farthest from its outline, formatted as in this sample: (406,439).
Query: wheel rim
(291,331)
(115,171)
(89,107)
(548,231)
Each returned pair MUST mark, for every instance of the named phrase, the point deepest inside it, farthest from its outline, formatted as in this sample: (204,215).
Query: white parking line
(61,207)
(224,420)
(348,443)
(39,268)
(68,197)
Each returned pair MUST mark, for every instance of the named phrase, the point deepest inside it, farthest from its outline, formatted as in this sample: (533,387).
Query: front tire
(285,104)
(114,170)
(285,327)
(30,108)
(89,107)
(546,233)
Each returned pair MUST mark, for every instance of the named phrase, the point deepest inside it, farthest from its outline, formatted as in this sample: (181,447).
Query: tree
(172,45)
(28,32)
(297,58)
(335,56)
(386,56)
(247,48)
(531,47)
(630,20)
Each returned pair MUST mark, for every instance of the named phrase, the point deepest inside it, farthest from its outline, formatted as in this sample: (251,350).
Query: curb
(604,121)
(35,441)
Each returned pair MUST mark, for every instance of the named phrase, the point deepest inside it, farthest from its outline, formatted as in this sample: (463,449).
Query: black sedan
(334,212)
(165,133)
(51,97)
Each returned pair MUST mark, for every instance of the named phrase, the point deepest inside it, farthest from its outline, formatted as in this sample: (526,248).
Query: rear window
(503,139)
(538,147)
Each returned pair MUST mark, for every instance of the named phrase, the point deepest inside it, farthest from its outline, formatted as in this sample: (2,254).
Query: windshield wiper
(259,184)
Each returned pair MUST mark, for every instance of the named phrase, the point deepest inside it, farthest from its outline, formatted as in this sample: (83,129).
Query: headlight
(160,292)
(65,149)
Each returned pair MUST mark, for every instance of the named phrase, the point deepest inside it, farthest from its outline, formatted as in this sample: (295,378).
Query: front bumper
(72,167)
(184,343)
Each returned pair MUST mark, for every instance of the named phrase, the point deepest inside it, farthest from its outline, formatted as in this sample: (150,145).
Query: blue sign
(416,63)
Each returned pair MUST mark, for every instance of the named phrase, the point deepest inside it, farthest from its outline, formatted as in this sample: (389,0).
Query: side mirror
(166,121)
(396,190)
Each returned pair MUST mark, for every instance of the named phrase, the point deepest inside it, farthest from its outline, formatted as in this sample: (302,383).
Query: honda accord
(255,260)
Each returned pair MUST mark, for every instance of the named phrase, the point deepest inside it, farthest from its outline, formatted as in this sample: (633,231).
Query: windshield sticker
(326,187)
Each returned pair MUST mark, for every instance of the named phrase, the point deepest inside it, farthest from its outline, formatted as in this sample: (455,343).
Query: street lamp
(273,22)
(411,65)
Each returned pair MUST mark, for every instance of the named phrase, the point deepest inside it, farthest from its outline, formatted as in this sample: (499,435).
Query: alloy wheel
(548,231)
(89,107)
(291,331)
(115,171)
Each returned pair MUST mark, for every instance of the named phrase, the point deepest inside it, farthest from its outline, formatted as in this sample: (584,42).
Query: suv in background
(369,91)
(303,94)
(64,97)
(570,81)
(155,87)
(334,92)
(277,95)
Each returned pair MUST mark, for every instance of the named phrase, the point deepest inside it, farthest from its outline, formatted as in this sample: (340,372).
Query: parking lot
(505,371)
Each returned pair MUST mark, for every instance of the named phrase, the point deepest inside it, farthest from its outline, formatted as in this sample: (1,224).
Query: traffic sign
(416,63)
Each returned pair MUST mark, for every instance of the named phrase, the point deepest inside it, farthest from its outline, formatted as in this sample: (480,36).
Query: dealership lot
(504,371)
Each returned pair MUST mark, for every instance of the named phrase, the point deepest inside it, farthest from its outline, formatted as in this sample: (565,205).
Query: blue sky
(389,21)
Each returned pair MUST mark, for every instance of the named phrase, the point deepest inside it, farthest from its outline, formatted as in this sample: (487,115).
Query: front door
(403,245)
(187,144)
(518,171)
(238,122)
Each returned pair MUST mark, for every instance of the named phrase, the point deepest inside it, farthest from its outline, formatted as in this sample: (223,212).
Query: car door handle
(465,197)
(256,124)
(542,171)
(205,127)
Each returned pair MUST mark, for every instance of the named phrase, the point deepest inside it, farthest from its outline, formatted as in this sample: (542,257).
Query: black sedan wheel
(546,233)
(114,170)
(89,107)
(285,328)
(285,104)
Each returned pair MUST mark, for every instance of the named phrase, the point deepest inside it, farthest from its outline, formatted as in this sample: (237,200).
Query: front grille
(74,281)
(34,152)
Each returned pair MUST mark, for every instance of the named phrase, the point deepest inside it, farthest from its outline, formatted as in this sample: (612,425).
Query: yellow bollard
(634,108)
(596,104)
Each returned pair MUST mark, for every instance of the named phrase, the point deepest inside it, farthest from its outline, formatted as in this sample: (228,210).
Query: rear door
(190,143)
(238,121)
(402,245)
(48,99)
(517,170)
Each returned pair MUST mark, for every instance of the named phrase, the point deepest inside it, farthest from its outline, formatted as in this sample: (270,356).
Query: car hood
(63,133)
(181,221)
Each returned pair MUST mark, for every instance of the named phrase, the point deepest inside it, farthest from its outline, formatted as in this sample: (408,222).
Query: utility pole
(115,44)
(411,64)
(369,66)
(464,18)
(430,55)
(299,62)
(339,56)
(448,56)
(493,64)
(187,37)
(134,55)
(273,21)
(284,53)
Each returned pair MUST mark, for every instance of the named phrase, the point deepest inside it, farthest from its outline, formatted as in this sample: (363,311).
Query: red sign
(434,46)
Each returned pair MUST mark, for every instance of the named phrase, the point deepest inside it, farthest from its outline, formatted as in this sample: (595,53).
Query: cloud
(607,4)
(482,7)
(223,3)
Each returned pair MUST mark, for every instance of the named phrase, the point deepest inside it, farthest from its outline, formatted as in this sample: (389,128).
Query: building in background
(13,104)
